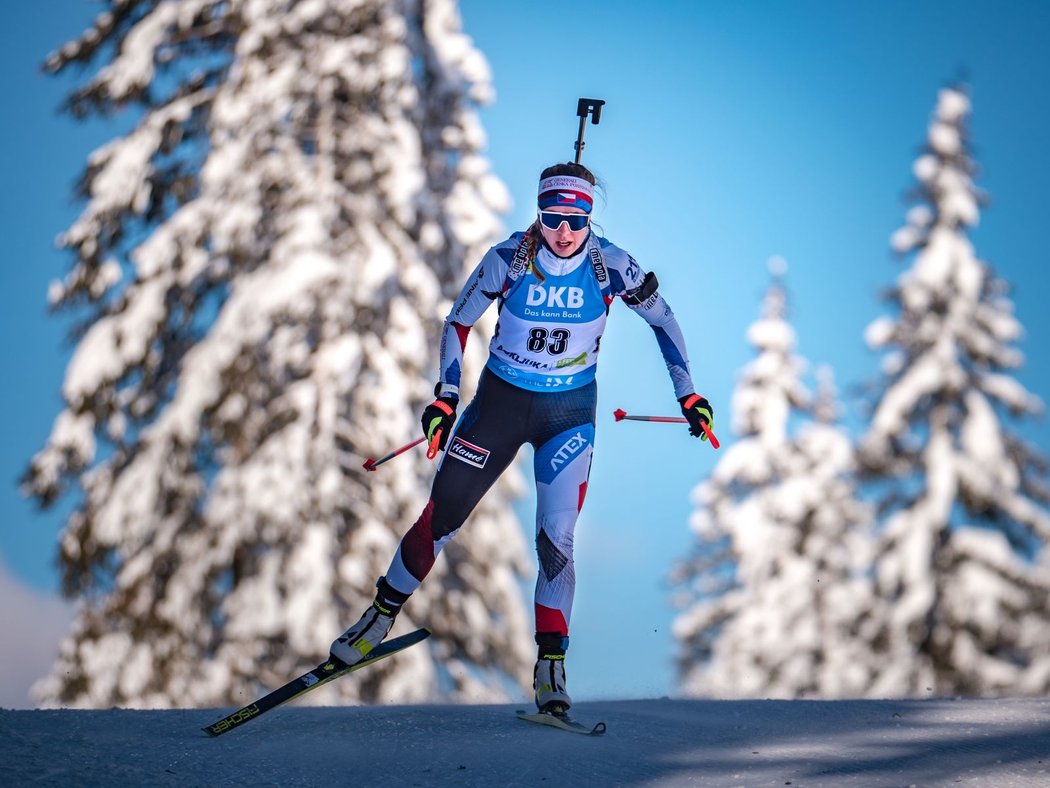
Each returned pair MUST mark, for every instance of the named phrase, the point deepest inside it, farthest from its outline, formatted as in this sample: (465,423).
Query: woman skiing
(554,285)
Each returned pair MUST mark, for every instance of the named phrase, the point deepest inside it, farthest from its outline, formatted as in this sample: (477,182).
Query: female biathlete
(554,285)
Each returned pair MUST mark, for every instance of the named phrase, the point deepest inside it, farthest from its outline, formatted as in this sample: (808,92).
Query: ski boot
(548,678)
(355,644)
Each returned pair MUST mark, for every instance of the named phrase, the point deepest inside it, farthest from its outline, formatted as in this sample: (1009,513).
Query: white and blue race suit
(538,387)
(552,318)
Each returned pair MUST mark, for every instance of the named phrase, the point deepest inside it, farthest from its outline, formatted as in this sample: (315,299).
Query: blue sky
(732,132)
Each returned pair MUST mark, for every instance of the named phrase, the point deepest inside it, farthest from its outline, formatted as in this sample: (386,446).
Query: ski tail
(327,671)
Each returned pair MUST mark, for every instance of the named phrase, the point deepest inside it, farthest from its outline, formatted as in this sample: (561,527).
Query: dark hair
(533,237)
(569,168)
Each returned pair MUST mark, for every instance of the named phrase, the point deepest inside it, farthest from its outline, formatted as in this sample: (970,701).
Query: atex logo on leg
(568,450)
(468,452)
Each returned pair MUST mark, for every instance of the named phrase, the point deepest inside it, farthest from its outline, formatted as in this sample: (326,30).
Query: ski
(562,722)
(327,671)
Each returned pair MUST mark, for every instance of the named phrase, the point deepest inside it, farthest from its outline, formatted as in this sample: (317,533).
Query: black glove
(696,409)
(437,420)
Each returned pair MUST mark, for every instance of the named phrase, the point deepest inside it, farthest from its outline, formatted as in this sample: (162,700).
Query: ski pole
(621,415)
(371,465)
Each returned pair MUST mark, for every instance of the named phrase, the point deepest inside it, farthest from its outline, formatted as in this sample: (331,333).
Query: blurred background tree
(776,597)
(796,587)
(963,518)
(258,277)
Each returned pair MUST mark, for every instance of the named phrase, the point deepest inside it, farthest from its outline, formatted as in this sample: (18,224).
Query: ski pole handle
(621,415)
(435,445)
(371,465)
(710,435)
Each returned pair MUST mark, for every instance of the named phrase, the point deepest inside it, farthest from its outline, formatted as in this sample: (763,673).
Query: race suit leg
(483,444)
(564,441)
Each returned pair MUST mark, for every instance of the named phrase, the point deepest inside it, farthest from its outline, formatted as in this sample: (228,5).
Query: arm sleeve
(658,314)
(482,288)
(629,280)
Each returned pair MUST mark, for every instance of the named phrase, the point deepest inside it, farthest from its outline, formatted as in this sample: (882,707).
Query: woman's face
(564,241)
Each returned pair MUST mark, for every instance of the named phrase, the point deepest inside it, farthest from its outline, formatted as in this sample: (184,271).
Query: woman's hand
(438,419)
(696,409)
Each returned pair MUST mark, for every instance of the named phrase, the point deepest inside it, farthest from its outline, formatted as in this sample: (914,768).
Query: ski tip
(561,722)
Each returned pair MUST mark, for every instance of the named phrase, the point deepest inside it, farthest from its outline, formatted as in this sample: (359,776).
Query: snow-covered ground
(658,742)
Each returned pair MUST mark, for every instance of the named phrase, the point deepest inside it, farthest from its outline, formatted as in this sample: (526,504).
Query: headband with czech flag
(566,191)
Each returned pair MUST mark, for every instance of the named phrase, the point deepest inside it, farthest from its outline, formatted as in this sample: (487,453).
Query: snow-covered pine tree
(963,500)
(778,602)
(260,273)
